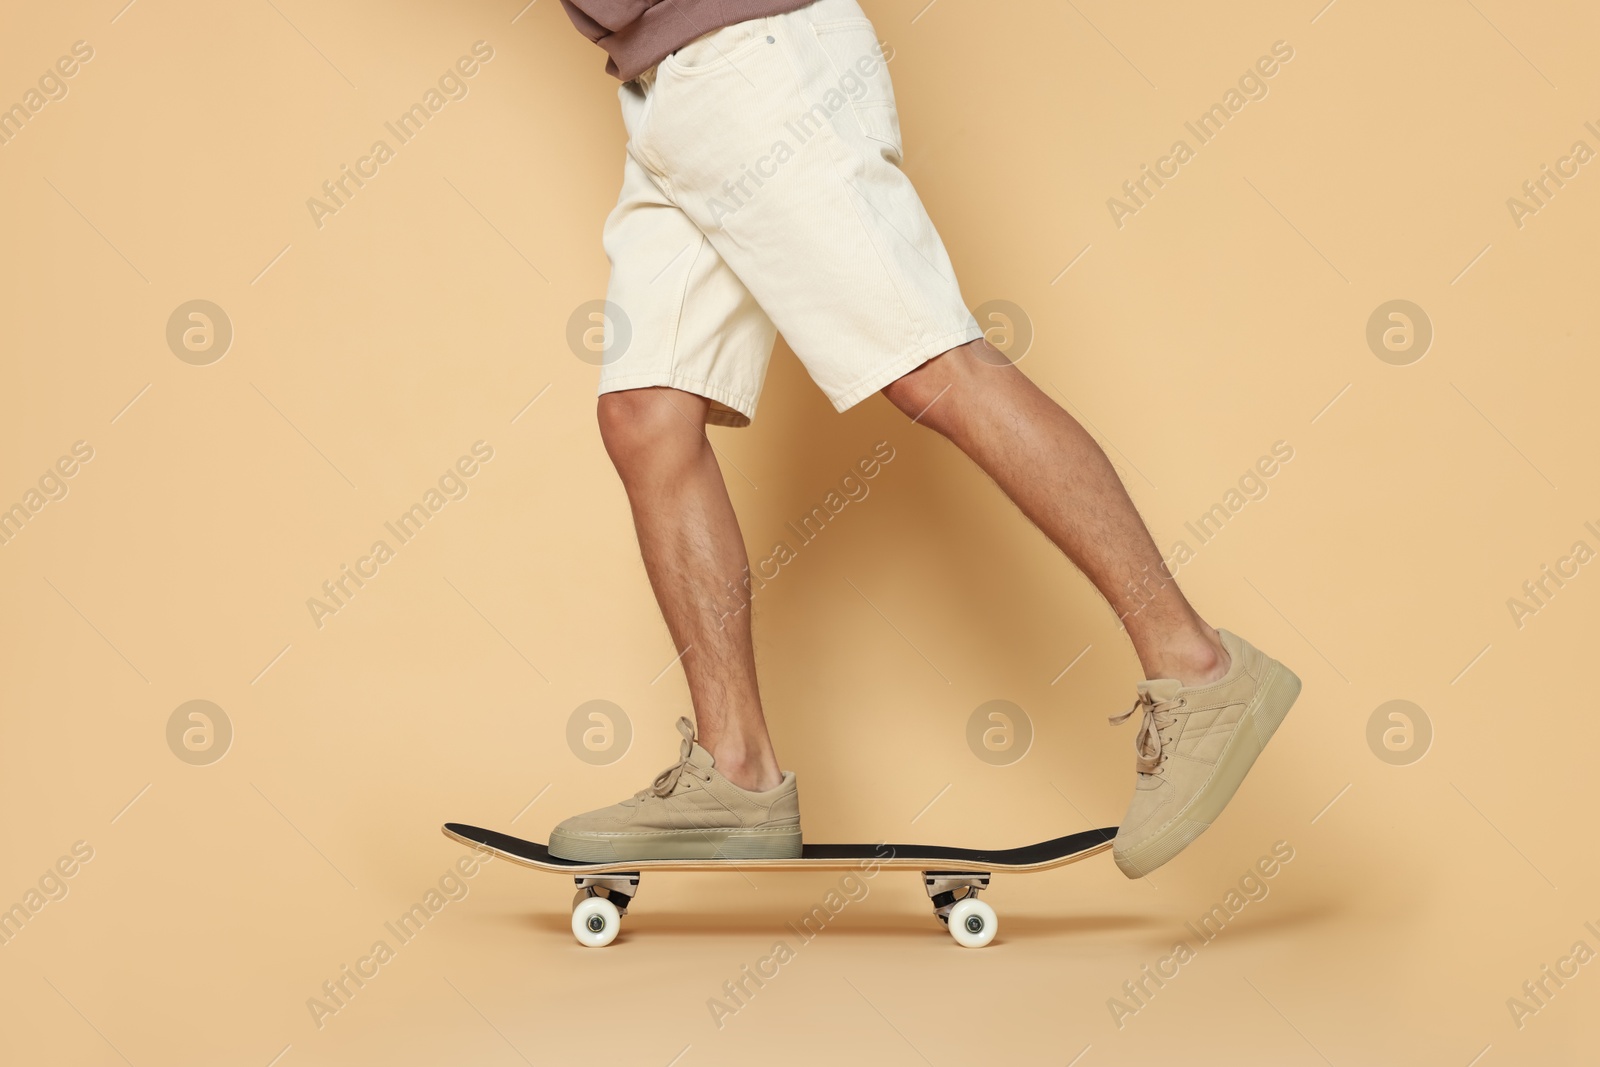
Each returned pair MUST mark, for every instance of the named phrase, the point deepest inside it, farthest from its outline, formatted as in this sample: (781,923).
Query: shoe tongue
(699,757)
(1160,689)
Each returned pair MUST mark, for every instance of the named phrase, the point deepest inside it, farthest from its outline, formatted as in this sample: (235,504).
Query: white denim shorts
(762,193)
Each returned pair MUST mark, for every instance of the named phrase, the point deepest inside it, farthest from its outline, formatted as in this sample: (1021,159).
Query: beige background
(369,354)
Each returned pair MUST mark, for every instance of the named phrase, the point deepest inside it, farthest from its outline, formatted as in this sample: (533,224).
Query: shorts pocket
(862,74)
(719,48)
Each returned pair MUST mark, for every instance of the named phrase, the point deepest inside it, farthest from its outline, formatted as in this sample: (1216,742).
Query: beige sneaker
(689,812)
(1194,748)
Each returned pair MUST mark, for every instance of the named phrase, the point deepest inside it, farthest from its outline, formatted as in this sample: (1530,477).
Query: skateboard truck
(955,903)
(617,888)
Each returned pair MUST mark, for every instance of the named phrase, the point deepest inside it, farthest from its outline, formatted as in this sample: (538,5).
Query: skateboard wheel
(972,922)
(595,921)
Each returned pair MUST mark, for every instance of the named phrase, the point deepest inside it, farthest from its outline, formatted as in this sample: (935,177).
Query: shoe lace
(1149,742)
(666,783)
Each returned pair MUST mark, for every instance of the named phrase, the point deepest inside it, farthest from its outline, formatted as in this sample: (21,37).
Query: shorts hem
(743,407)
(904,364)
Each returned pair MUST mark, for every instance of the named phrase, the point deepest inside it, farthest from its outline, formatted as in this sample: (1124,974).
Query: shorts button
(771,39)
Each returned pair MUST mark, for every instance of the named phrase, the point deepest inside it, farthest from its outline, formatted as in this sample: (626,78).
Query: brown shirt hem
(638,34)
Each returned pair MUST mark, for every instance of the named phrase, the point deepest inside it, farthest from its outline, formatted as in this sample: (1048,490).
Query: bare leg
(692,549)
(1057,474)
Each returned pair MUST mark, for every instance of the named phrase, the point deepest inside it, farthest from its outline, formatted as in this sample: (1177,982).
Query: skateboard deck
(952,876)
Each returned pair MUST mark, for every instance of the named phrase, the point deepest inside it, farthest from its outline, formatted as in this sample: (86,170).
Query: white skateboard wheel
(972,922)
(595,922)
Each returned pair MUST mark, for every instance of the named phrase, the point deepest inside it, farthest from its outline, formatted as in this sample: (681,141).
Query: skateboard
(953,877)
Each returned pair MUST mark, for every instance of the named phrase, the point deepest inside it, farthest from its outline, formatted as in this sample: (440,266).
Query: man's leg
(692,548)
(1060,478)
(1057,474)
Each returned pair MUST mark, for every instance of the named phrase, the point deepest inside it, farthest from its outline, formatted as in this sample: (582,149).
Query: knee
(914,390)
(929,392)
(644,430)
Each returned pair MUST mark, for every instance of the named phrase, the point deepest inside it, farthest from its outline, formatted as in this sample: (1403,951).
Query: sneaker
(1195,745)
(689,812)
